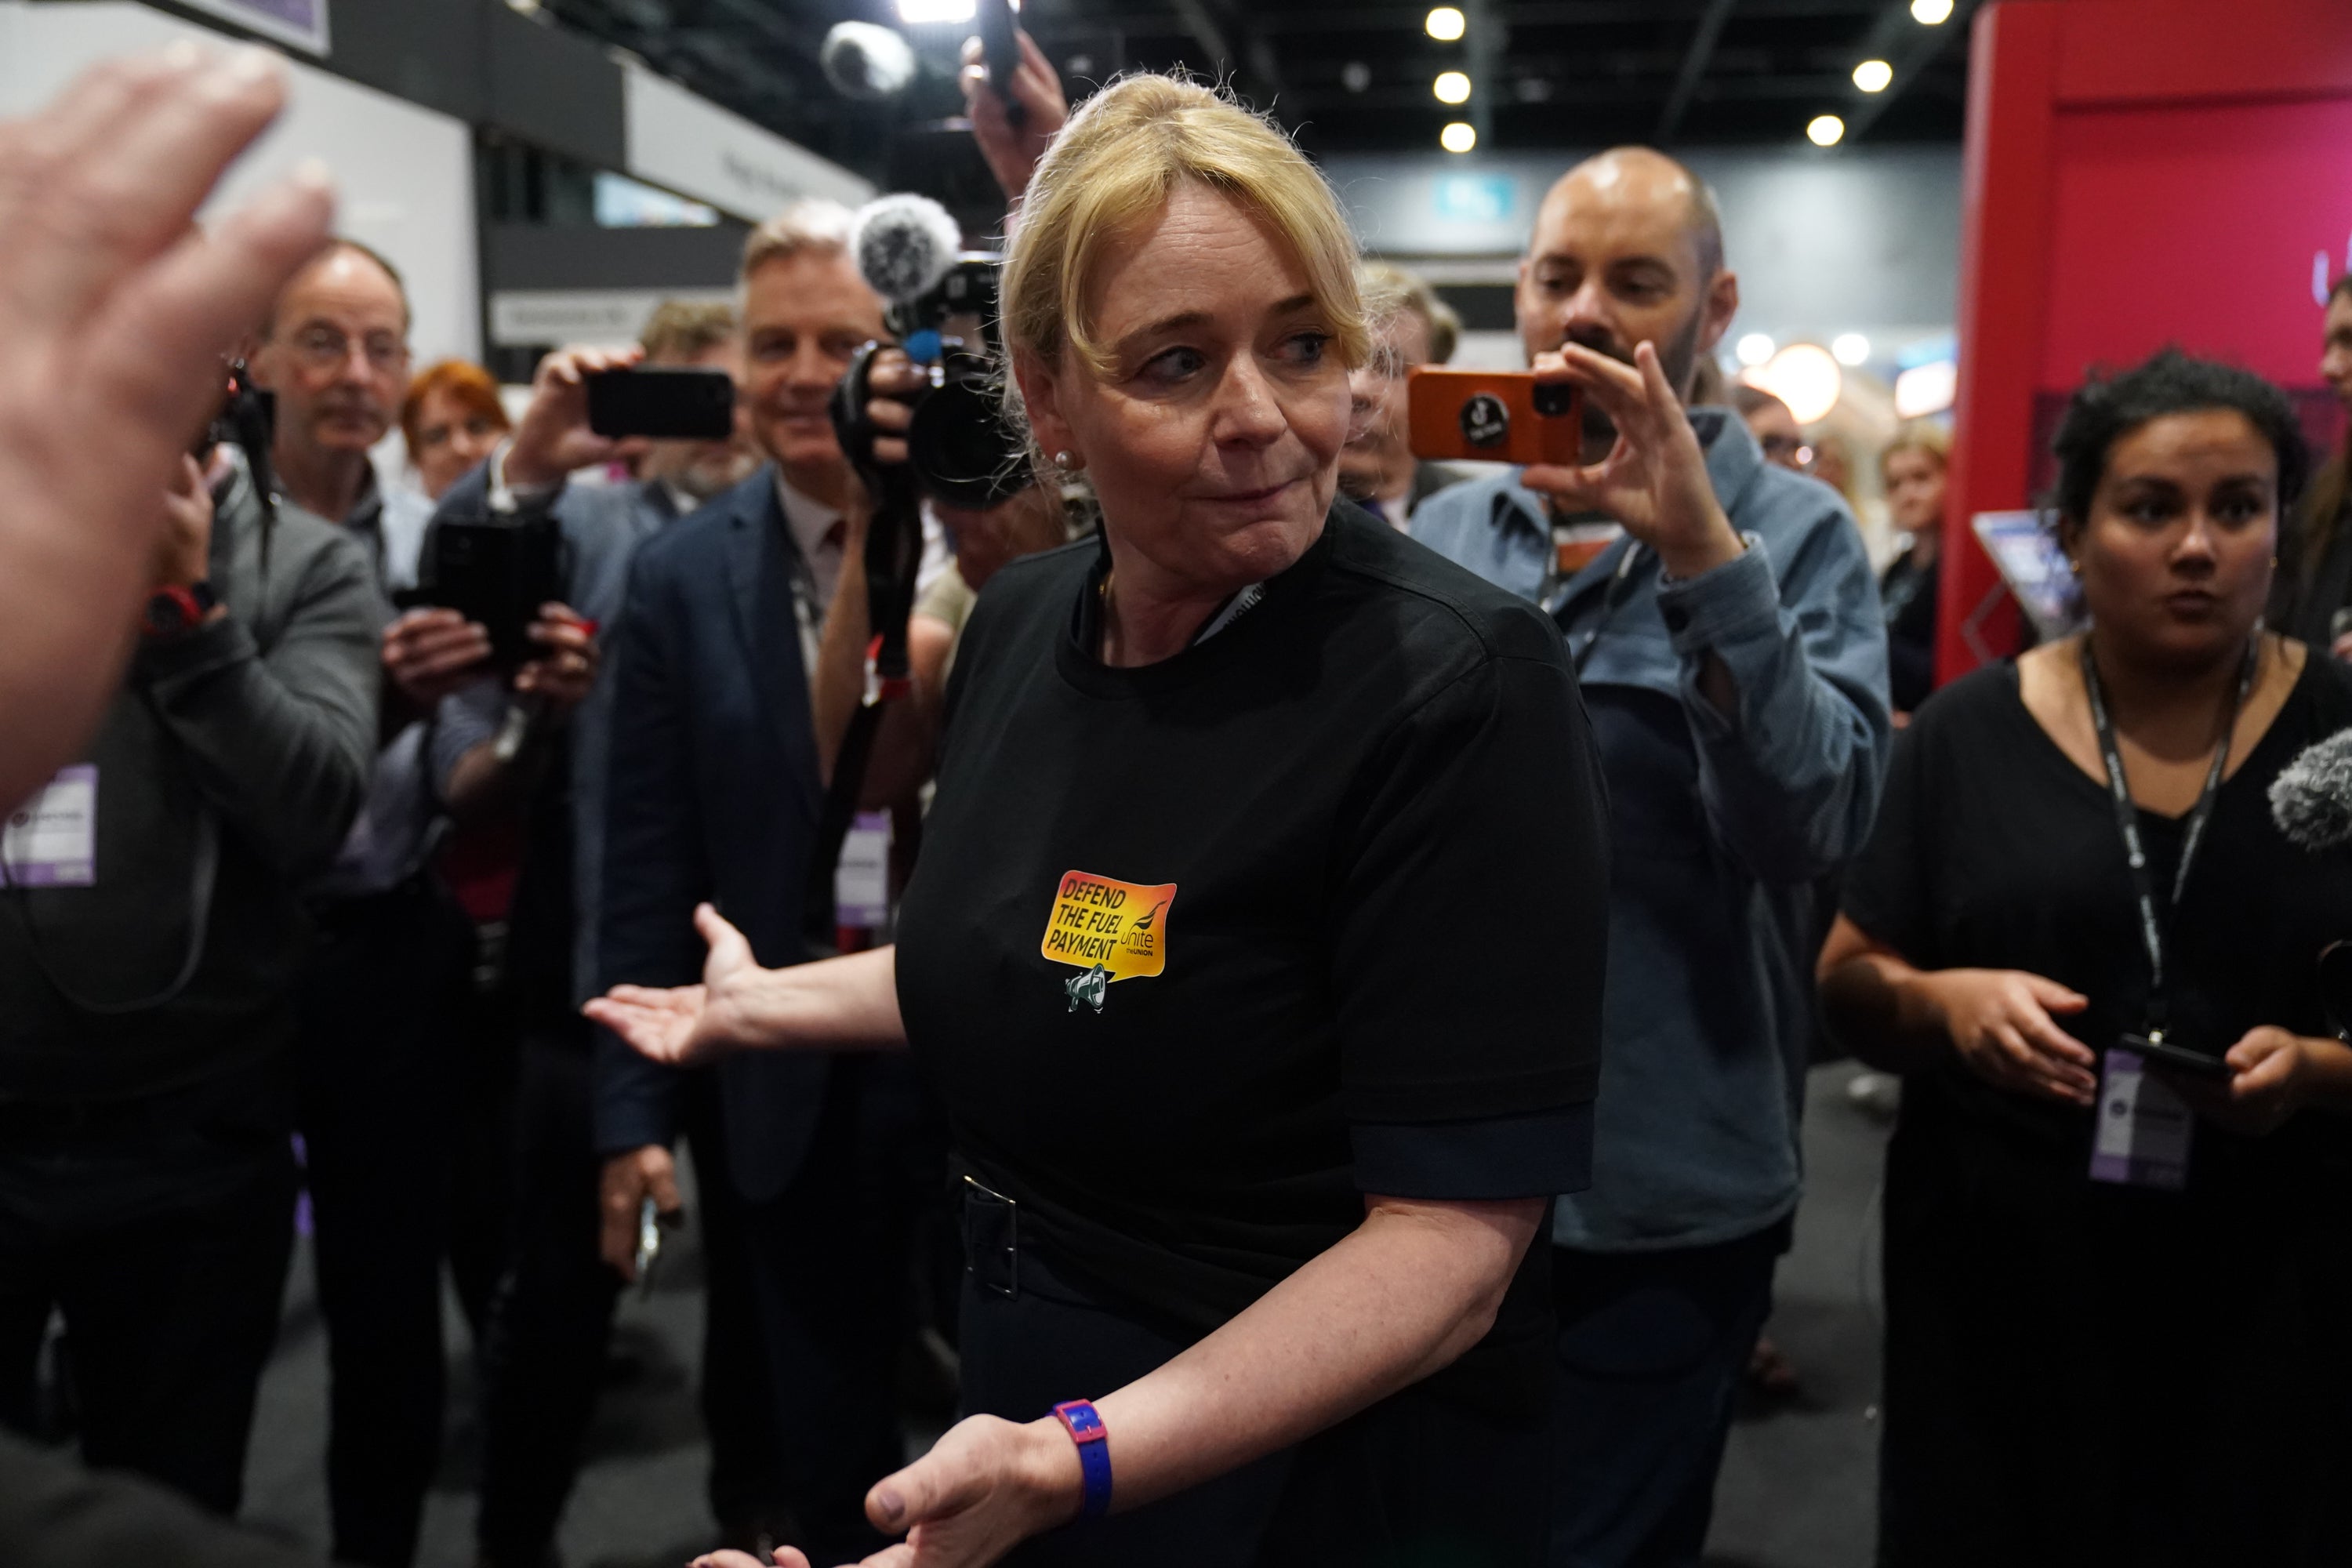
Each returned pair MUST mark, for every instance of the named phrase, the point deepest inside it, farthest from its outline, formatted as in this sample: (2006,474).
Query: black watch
(173,610)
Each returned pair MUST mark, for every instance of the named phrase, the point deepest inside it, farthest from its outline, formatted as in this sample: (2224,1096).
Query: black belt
(1001,1250)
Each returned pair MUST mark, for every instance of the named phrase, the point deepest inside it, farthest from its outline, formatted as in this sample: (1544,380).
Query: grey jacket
(1722,826)
(229,768)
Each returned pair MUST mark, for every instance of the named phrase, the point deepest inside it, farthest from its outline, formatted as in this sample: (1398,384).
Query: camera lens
(961,445)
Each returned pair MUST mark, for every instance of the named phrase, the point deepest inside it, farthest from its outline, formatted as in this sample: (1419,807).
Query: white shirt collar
(809,519)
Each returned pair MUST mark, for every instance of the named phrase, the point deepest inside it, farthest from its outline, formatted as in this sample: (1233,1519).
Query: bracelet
(1086,1430)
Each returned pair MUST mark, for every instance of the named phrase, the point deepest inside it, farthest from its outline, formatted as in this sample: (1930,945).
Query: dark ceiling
(1351,77)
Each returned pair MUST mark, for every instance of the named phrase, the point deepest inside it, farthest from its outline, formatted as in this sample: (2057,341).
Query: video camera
(944,307)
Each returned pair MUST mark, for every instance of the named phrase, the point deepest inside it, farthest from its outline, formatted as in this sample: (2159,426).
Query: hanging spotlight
(1445,23)
(1826,130)
(1872,75)
(1931,12)
(1451,86)
(1458,137)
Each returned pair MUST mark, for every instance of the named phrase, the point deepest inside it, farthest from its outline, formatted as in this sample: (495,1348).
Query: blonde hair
(681,330)
(1390,290)
(1923,436)
(805,227)
(1113,167)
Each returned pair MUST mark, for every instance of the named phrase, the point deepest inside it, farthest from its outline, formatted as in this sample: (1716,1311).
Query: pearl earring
(1062,460)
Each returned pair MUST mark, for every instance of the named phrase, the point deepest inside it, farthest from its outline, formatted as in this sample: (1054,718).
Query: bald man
(1726,628)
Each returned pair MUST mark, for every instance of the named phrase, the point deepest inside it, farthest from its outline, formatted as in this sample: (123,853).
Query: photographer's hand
(1012,153)
(430,653)
(563,678)
(1654,478)
(553,438)
(184,555)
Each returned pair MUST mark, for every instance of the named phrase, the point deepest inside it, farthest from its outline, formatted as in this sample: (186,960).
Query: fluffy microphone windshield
(904,246)
(2311,799)
(866,62)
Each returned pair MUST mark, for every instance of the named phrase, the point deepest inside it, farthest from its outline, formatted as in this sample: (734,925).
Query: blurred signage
(301,23)
(588,318)
(1476,199)
(692,146)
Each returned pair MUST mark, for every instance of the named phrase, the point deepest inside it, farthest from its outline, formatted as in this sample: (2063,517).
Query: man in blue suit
(545,1339)
(713,791)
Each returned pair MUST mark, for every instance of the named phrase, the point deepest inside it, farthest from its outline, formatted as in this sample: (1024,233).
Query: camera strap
(2153,923)
(893,556)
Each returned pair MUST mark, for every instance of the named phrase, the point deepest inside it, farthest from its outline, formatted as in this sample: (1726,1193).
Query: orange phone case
(1490,416)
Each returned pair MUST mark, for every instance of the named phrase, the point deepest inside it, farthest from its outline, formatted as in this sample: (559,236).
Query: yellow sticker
(1121,927)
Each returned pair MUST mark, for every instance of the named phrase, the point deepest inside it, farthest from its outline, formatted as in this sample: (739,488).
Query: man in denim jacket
(1725,621)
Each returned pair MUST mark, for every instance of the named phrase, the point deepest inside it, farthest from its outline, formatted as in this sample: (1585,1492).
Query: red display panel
(2138,172)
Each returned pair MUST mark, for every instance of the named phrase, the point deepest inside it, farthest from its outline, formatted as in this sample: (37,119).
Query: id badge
(2144,1128)
(52,841)
(861,885)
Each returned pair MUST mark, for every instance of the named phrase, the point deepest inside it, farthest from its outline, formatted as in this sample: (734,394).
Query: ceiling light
(1872,75)
(1458,137)
(1931,12)
(917,12)
(1826,130)
(1355,75)
(1805,377)
(1445,23)
(1756,348)
(1851,348)
(1451,86)
(1926,389)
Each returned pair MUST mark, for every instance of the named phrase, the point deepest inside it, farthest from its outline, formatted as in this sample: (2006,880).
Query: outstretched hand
(686,1024)
(982,1490)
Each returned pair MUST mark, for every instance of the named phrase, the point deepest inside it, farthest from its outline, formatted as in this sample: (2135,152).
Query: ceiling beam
(1701,47)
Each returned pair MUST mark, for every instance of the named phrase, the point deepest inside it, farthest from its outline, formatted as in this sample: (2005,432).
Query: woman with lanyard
(1256,943)
(2118,1207)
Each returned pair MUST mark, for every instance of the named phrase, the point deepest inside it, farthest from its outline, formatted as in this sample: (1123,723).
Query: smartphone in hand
(664,402)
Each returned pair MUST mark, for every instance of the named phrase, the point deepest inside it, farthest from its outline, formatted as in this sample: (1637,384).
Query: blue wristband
(1086,1430)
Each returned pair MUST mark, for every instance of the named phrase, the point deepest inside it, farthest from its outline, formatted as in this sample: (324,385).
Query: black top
(1200,953)
(1908,591)
(1994,850)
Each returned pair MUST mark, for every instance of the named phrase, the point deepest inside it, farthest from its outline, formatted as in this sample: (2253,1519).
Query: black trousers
(380,1063)
(161,1230)
(1652,1346)
(553,1314)
(831,1263)
(1419,1481)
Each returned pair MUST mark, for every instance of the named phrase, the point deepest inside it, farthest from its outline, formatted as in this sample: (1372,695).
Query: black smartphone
(2180,1059)
(1002,52)
(665,403)
(498,574)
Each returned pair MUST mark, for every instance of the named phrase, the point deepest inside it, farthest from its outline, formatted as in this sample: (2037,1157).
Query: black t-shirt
(1993,850)
(1201,952)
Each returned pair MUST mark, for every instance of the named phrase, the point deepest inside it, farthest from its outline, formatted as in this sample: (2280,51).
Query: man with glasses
(381,989)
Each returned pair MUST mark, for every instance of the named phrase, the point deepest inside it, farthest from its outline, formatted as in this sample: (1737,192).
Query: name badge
(51,840)
(861,884)
(2144,1128)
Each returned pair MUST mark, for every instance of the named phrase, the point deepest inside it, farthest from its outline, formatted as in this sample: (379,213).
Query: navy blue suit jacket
(712,793)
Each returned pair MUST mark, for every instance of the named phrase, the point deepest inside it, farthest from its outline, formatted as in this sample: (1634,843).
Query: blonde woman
(1912,470)
(1253,819)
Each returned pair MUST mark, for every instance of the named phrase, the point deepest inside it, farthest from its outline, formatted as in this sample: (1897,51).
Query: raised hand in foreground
(114,314)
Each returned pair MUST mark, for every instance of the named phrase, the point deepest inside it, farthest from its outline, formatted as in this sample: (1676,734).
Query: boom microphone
(905,246)
(2311,800)
(866,62)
